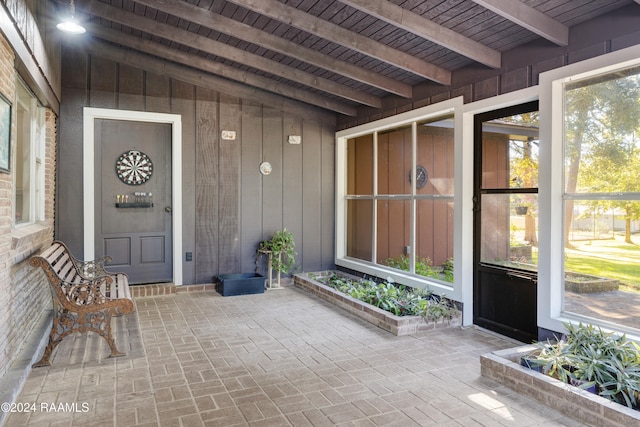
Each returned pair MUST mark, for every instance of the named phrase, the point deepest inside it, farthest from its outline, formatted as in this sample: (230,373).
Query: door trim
(89,116)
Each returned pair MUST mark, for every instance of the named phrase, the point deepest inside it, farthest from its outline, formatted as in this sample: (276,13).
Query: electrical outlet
(189,256)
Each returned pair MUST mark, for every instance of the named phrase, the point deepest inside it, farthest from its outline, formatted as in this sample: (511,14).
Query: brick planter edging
(397,325)
(504,367)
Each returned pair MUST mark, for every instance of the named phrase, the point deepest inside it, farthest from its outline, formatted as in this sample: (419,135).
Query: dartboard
(134,167)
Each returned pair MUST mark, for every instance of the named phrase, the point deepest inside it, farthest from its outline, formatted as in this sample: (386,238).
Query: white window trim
(452,106)
(551,244)
(40,157)
(37,144)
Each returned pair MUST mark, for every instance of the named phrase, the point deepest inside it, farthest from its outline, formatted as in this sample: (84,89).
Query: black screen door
(505,221)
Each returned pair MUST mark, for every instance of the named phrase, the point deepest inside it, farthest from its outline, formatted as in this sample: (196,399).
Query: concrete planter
(585,283)
(397,325)
(504,367)
(521,253)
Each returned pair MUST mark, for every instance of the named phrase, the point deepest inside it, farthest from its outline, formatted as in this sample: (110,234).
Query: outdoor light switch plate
(229,135)
(295,139)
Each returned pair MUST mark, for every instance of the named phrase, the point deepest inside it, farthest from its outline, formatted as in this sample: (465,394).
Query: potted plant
(281,250)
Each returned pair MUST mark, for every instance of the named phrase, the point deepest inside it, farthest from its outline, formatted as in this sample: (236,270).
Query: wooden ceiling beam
(336,34)
(210,81)
(220,23)
(213,47)
(529,18)
(226,71)
(427,29)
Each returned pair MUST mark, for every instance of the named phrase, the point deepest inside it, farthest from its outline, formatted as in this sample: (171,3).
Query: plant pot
(581,384)
(522,210)
(531,363)
(239,284)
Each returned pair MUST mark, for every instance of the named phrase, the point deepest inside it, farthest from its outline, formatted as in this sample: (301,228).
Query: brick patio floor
(275,359)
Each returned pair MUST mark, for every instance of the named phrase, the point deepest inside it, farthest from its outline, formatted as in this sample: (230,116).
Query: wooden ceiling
(337,55)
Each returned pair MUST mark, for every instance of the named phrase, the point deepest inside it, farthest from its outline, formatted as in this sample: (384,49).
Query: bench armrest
(87,270)
(87,292)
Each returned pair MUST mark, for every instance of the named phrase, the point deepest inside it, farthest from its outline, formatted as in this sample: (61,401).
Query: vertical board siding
(311,203)
(157,93)
(293,187)
(68,208)
(272,208)
(251,194)
(183,102)
(103,83)
(207,191)
(229,186)
(130,88)
(328,197)
(228,206)
(434,219)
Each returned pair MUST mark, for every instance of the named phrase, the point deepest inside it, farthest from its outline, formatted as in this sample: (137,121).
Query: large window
(28,175)
(399,199)
(602,196)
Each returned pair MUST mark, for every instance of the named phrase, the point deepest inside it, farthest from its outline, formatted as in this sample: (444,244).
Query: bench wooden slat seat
(85,296)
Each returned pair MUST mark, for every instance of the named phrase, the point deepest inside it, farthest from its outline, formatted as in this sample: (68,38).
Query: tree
(602,117)
(614,171)
(523,164)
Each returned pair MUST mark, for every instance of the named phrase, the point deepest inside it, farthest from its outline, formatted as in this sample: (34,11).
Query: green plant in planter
(556,361)
(282,244)
(397,299)
(608,360)
(438,308)
(590,356)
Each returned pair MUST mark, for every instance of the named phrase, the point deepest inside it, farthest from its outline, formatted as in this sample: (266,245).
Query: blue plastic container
(239,284)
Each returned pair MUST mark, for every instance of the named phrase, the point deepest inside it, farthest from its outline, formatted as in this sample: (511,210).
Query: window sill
(28,234)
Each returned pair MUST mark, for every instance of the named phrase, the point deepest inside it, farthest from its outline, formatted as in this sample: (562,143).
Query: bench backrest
(69,288)
(61,262)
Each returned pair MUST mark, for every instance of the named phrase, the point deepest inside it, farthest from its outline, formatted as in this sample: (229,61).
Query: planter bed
(585,283)
(504,367)
(397,325)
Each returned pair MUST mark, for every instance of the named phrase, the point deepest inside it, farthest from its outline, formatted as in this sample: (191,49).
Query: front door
(133,198)
(505,221)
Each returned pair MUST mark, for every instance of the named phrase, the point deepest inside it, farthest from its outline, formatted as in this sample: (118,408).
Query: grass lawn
(612,259)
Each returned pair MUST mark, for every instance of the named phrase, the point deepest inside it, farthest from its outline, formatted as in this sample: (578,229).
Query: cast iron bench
(85,297)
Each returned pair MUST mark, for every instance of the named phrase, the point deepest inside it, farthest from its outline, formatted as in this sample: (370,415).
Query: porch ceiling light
(70,24)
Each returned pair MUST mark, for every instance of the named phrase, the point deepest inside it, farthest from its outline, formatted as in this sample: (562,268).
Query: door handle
(167,209)
(522,277)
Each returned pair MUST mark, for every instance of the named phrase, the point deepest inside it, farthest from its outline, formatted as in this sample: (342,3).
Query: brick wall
(24,295)
(503,366)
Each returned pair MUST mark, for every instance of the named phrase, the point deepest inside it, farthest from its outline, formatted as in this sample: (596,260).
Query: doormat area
(159,289)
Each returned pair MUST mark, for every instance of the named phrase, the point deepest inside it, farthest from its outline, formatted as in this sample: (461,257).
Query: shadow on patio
(279,358)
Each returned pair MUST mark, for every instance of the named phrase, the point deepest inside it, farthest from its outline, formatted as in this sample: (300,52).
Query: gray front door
(133,216)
